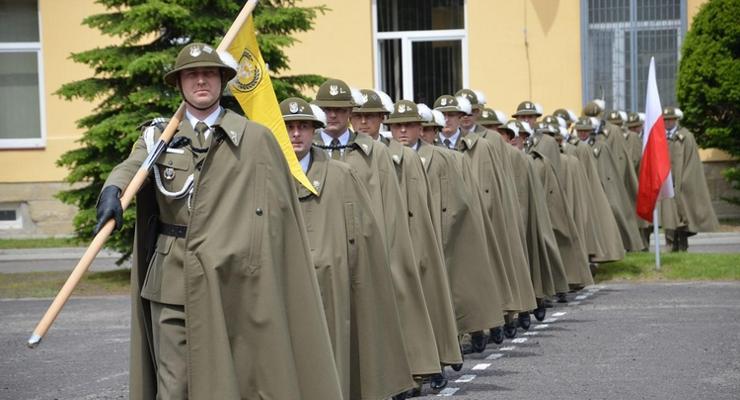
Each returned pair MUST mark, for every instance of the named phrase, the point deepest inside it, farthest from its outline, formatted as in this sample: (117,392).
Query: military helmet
(374,102)
(594,108)
(474,97)
(404,111)
(634,120)
(197,55)
(297,109)
(527,108)
(585,124)
(512,126)
(523,127)
(614,117)
(488,117)
(427,115)
(567,115)
(671,112)
(335,93)
(447,103)
(552,123)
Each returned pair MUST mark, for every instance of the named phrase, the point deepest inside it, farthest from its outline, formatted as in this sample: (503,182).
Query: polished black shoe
(510,330)
(524,320)
(478,341)
(547,303)
(540,312)
(497,335)
(562,298)
(438,381)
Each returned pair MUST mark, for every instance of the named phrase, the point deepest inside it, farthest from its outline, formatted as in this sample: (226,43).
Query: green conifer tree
(127,84)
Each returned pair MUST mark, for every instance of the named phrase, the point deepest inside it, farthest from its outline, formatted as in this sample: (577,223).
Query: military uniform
(372,162)
(690,210)
(351,263)
(186,340)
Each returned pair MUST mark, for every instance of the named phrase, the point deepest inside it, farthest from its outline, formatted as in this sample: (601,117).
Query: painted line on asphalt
(507,348)
(519,340)
(550,320)
(559,314)
(446,392)
(465,378)
(541,326)
(494,356)
(481,366)
(574,303)
(531,333)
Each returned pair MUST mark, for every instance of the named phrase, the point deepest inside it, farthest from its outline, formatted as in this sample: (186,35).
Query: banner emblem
(249,74)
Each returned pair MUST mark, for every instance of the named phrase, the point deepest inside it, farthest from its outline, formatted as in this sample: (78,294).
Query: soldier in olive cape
(351,263)
(572,247)
(225,302)
(499,206)
(373,164)
(547,269)
(633,140)
(690,210)
(368,117)
(424,235)
(625,204)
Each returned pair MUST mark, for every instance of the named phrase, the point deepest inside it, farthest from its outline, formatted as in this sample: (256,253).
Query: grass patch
(674,267)
(38,243)
(47,284)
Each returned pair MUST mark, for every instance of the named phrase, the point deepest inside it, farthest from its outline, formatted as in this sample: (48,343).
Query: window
(10,217)
(21,86)
(619,37)
(421,48)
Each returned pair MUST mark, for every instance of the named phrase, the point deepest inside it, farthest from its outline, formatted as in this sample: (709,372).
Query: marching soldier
(625,204)
(633,138)
(204,249)
(373,164)
(351,264)
(405,123)
(690,210)
(368,117)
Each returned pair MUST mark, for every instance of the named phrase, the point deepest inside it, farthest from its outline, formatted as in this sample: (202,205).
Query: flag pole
(128,195)
(657,238)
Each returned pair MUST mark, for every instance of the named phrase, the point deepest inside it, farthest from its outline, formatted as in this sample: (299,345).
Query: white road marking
(494,356)
(508,348)
(446,392)
(541,326)
(519,340)
(574,303)
(531,333)
(550,320)
(465,378)
(481,366)
(559,314)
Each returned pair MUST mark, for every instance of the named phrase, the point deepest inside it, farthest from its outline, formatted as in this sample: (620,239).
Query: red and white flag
(655,181)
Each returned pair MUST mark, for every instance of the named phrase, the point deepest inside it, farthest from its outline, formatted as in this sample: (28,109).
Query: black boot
(683,240)
(524,320)
(497,335)
(561,297)
(547,303)
(438,381)
(510,330)
(540,311)
(478,341)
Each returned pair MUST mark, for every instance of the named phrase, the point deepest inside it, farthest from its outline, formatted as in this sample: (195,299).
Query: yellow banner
(253,89)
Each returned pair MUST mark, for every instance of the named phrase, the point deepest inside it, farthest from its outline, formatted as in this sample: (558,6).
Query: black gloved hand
(109,207)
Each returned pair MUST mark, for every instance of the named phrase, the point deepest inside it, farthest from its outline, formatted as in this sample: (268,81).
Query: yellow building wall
(61,34)
(526,50)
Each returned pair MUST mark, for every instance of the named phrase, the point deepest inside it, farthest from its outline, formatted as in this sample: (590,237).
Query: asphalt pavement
(613,341)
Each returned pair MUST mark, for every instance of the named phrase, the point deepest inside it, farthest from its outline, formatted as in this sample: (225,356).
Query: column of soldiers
(418,246)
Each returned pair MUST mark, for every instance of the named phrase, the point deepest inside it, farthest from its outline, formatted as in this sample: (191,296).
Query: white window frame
(407,40)
(15,224)
(29,47)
